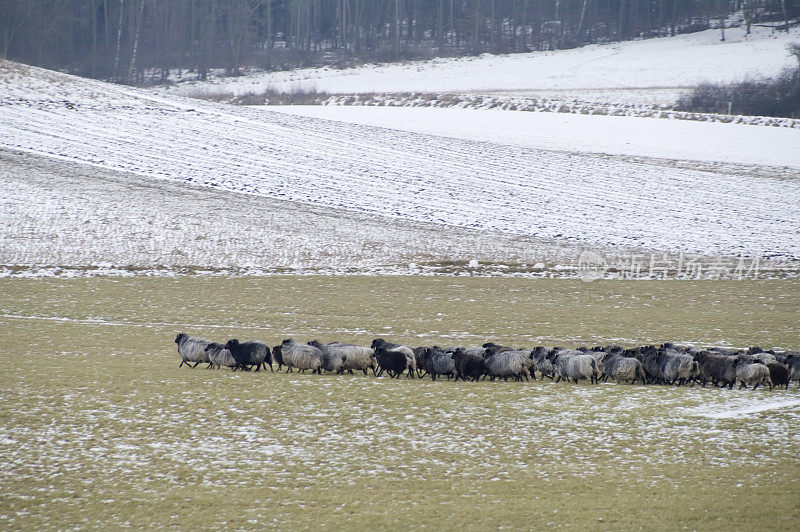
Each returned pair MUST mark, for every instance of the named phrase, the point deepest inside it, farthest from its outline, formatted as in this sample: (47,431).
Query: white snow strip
(745,411)
(621,135)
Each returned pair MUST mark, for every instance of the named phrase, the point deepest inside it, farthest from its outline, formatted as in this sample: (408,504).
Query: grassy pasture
(100,428)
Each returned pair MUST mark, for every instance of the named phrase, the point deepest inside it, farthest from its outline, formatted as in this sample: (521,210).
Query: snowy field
(100,428)
(65,218)
(627,69)
(709,142)
(574,197)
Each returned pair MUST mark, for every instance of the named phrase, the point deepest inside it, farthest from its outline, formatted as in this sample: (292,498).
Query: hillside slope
(576,198)
(657,66)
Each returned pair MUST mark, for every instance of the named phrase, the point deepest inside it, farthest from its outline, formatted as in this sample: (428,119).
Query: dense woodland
(135,41)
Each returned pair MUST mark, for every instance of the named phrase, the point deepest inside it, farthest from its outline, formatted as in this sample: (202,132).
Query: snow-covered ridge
(666,140)
(572,197)
(682,61)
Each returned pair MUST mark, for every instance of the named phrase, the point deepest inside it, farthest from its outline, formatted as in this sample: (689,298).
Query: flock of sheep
(665,364)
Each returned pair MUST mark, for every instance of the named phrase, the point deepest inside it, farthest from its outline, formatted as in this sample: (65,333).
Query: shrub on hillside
(779,96)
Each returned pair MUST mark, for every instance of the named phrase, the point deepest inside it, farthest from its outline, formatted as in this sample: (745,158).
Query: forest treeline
(134,41)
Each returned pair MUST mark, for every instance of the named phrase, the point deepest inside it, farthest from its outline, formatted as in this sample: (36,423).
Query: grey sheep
(542,364)
(574,365)
(192,349)
(620,368)
(505,364)
(676,366)
(301,356)
(439,363)
(331,356)
(340,357)
(755,374)
(219,356)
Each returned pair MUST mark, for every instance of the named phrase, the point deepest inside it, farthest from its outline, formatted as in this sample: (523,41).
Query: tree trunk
(132,70)
(785,15)
(119,39)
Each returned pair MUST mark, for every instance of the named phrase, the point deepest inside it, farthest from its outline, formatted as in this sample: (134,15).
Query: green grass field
(100,428)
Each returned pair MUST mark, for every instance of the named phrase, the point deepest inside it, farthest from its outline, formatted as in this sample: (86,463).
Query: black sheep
(251,353)
(779,374)
(468,366)
(393,362)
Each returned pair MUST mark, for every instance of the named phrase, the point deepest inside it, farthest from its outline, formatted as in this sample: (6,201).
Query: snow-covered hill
(580,199)
(710,142)
(643,70)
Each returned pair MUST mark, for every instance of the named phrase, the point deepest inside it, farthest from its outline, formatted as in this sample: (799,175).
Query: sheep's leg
(742,385)
(754,387)
(182,363)
(195,365)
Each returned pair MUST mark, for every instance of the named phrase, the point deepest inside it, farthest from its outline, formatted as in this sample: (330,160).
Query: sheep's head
(180,337)
(233,342)
(377,342)
(212,345)
(288,341)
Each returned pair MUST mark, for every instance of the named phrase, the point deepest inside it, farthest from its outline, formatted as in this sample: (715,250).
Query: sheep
(765,357)
(331,356)
(411,360)
(755,374)
(250,353)
(648,356)
(219,356)
(300,356)
(778,374)
(439,363)
(793,363)
(496,348)
(541,363)
(468,365)
(357,357)
(419,358)
(573,365)
(506,363)
(676,367)
(614,365)
(192,349)
(476,351)
(393,362)
(277,356)
(338,357)
(716,368)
